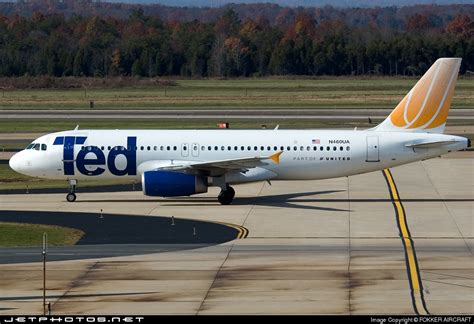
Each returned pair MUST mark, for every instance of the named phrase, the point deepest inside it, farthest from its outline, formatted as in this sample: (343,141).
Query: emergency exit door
(195,150)
(184,149)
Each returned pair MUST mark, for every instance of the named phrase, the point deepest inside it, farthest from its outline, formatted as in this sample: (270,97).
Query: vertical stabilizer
(425,108)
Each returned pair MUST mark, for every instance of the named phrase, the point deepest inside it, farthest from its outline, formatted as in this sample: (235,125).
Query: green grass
(10,179)
(240,93)
(9,146)
(52,125)
(14,234)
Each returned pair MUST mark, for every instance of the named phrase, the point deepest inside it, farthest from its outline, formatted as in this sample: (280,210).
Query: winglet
(276,157)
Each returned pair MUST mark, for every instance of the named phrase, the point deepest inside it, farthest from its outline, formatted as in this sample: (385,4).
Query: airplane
(173,163)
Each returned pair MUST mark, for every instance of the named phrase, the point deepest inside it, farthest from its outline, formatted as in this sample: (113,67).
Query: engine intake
(172,184)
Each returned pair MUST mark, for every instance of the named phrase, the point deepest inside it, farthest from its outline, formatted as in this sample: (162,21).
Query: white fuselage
(307,154)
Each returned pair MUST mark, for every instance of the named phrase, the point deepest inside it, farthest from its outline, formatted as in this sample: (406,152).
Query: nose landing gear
(71,196)
(226,196)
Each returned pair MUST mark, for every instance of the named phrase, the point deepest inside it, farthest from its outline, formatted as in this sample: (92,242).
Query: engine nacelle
(172,184)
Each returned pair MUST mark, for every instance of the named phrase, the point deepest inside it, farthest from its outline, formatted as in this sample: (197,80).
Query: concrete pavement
(314,247)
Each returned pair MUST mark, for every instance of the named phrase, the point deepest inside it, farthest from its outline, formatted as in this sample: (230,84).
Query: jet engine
(172,184)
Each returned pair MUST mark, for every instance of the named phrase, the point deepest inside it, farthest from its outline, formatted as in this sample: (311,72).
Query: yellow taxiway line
(243,232)
(413,269)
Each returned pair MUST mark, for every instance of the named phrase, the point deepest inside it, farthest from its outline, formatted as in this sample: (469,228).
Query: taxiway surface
(314,247)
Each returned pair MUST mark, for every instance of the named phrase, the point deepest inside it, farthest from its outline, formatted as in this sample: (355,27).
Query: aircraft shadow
(291,200)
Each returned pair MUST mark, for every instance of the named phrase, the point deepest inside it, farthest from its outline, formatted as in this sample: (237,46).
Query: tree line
(301,44)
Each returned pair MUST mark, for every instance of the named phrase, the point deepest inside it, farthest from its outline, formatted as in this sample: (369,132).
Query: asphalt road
(115,235)
(316,114)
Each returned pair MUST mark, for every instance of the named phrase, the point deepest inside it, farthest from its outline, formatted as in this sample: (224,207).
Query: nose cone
(20,162)
(14,162)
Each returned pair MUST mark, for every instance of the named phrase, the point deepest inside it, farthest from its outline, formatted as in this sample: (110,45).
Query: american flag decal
(316,141)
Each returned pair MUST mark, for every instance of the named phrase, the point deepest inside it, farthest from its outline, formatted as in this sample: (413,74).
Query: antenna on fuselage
(77,127)
(277,126)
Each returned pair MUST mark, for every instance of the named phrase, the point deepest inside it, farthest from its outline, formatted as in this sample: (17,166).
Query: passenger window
(148,148)
(334,148)
(175,148)
(168,148)
(288,148)
(282,148)
(341,148)
(155,148)
(315,148)
(295,148)
(348,148)
(328,148)
(261,148)
(301,148)
(308,148)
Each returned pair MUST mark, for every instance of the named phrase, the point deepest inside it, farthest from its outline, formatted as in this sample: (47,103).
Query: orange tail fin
(425,108)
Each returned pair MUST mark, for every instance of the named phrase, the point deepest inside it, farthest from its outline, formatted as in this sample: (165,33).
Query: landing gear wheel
(226,196)
(71,197)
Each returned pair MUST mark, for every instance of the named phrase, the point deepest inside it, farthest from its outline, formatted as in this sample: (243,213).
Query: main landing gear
(71,196)
(226,196)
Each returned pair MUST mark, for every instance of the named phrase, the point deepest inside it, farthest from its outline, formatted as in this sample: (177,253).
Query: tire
(71,197)
(231,192)
(226,196)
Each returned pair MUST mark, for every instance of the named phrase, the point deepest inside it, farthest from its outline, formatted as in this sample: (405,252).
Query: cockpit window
(36,147)
(43,147)
(30,146)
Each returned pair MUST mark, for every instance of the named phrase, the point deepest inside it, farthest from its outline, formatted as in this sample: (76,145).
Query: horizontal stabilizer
(430,144)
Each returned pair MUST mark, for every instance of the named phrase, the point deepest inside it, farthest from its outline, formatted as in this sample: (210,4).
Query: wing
(212,168)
